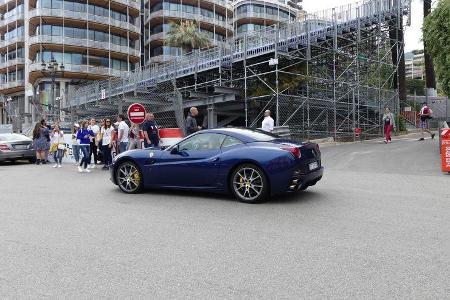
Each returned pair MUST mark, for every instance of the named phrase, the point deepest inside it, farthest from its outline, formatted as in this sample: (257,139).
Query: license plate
(313,165)
(21,147)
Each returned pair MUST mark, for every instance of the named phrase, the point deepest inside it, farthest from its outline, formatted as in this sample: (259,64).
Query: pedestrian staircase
(314,28)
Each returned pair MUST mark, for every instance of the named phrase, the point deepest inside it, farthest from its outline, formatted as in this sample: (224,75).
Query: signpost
(136,113)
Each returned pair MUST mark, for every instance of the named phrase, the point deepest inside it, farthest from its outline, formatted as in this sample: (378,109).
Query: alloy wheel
(128,177)
(248,184)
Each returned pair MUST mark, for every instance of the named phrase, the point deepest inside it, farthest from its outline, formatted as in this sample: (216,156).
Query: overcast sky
(413,35)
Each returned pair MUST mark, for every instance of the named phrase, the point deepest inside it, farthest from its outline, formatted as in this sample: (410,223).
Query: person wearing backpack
(425,114)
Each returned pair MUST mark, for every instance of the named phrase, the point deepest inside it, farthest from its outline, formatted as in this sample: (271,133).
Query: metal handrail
(12,62)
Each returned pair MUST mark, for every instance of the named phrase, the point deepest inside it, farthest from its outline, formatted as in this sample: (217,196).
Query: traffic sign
(103,94)
(136,113)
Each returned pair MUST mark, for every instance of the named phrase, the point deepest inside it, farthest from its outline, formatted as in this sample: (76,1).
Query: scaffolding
(330,74)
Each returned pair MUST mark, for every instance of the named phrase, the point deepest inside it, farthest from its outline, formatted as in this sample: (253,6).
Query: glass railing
(12,62)
(9,20)
(5,43)
(12,84)
(83,43)
(184,15)
(264,16)
(95,70)
(48,12)
(132,3)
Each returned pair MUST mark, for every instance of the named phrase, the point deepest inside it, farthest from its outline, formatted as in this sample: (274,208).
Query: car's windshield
(12,137)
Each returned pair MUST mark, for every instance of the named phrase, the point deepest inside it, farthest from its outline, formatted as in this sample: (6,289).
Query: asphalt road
(376,226)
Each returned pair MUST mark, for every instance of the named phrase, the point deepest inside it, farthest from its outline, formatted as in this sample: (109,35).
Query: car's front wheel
(249,183)
(129,177)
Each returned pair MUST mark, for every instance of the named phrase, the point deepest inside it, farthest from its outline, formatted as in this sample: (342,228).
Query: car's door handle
(215,159)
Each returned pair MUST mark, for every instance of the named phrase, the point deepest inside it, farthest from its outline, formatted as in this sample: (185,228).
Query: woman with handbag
(58,146)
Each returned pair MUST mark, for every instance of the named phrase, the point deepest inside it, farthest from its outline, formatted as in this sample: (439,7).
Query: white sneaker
(80,169)
(55,166)
(59,166)
(86,171)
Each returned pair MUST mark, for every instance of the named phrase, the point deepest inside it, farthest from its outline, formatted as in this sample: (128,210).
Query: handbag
(61,146)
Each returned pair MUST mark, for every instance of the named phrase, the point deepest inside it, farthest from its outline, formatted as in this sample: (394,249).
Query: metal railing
(256,43)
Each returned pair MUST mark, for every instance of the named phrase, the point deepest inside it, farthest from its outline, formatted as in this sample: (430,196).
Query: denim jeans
(85,150)
(76,152)
(107,157)
(58,155)
(123,147)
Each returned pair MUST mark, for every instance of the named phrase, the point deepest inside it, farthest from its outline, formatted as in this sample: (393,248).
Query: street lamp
(52,69)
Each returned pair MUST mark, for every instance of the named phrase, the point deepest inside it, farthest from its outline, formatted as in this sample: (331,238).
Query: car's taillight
(4,147)
(294,150)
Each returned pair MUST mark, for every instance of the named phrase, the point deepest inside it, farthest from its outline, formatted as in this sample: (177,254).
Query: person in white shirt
(58,145)
(106,133)
(267,123)
(93,145)
(123,132)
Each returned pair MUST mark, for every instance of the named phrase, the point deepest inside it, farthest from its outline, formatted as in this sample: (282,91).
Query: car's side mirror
(175,150)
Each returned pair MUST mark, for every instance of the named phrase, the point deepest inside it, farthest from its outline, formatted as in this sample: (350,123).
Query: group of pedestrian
(89,140)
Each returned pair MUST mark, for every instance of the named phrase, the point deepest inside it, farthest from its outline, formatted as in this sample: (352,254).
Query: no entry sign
(136,113)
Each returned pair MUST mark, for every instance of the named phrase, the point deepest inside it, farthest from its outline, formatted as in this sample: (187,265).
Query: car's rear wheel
(249,184)
(129,177)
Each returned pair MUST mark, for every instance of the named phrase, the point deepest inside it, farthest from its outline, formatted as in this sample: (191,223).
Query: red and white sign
(445,149)
(136,113)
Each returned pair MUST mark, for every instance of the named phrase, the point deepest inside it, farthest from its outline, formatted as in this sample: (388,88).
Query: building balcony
(84,43)
(12,84)
(183,15)
(12,19)
(131,3)
(261,16)
(12,62)
(82,16)
(91,70)
(6,43)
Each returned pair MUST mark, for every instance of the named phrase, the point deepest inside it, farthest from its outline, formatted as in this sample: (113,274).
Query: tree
(437,39)
(429,68)
(187,36)
(396,34)
(416,86)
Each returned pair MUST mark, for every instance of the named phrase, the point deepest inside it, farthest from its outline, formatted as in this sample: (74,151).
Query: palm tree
(429,68)
(187,36)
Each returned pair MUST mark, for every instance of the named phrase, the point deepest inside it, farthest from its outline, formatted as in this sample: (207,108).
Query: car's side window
(231,141)
(202,141)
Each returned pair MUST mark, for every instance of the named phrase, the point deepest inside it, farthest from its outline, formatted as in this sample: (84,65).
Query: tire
(249,184)
(303,188)
(129,177)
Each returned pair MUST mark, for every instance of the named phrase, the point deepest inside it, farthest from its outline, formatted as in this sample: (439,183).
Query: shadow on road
(289,198)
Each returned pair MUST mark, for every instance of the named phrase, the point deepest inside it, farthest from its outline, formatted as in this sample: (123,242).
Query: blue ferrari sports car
(250,164)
